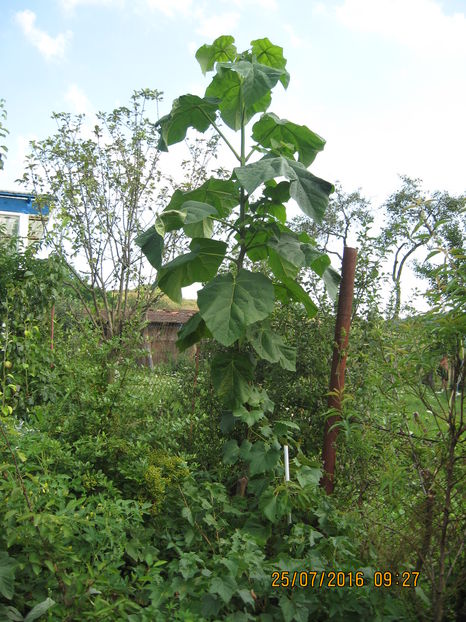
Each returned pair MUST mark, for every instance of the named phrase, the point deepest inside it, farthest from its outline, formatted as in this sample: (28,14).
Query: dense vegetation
(131,494)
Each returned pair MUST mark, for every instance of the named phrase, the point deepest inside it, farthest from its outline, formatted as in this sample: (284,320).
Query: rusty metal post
(337,376)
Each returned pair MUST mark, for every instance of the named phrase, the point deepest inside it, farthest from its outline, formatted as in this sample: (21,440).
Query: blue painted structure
(19,216)
(19,203)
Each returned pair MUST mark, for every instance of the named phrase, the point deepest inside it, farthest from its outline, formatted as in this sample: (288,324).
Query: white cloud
(217,25)
(295,40)
(70,5)
(15,163)
(171,8)
(420,25)
(319,8)
(267,5)
(51,48)
(78,100)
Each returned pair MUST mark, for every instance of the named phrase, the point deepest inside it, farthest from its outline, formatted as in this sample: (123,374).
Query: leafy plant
(237,300)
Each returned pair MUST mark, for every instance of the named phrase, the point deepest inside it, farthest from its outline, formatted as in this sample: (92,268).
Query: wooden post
(193,403)
(148,347)
(337,376)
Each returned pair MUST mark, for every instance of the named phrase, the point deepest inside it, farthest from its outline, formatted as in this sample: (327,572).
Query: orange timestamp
(339,578)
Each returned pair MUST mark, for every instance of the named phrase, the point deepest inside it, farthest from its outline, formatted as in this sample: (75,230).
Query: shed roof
(169,317)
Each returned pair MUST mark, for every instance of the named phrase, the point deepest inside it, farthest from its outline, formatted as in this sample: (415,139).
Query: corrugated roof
(169,317)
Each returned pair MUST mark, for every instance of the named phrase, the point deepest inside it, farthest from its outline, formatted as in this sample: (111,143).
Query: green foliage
(148,498)
(28,290)
(163,473)
(236,302)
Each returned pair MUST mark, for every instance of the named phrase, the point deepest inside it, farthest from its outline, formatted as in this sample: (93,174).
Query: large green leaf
(271,347)
(278,212)
(308,476)
(201,264)
(202,229)
(332,282)
(39,610)
(242,83)
(169,220)
(224,586)
(192,332)
(196,211)
(222,49)
(315,259)
(230,452)
(310,192)
(230,303)
(279,193)
(288,247)
(258,82)
(232,373)
(226,86)
(260,399)
(193,216)
(320,263)
(281,267)
(263,457)
(253,175)
(259,532)
(249,417)
(220,193)
(198,222)
(187,111)
(288,289)
(151,244)
(256,243)
(272,55)
(7,575)
(287,138)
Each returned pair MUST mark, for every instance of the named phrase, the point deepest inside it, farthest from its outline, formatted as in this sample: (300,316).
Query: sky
(383,81)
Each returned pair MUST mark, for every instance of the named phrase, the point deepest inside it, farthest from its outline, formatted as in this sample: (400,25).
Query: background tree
(103,186)
(411,220)
(446,273)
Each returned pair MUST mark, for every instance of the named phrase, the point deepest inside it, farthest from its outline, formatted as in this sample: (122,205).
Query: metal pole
(337,376)
(286,460)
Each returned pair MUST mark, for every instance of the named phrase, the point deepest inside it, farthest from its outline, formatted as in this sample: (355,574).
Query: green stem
(225,223)
(253,150)
(256,147)
(242,204)
(222,135)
